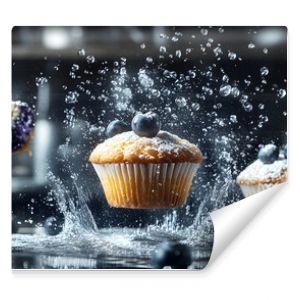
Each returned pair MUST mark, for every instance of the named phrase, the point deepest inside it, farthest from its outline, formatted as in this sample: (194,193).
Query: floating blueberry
(116,127)
(52,226)
(172,254)
(146,125)
(268,154)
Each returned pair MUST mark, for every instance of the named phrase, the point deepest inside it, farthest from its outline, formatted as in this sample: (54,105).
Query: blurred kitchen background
(42,59)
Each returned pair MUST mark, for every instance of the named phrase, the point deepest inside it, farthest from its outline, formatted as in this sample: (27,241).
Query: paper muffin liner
(152,185)
(251,189)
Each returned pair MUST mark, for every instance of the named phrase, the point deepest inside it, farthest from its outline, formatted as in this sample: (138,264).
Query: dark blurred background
(48,65)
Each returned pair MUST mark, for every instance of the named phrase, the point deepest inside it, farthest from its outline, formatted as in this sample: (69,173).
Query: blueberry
(52,226)
(268,154)
(146,125)
(116,127)
(172,254)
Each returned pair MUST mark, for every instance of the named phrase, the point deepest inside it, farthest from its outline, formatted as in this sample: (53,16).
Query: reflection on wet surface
(107,248)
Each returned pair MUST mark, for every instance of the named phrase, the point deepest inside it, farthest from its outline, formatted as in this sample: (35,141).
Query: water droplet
(123,71)
(162,49)
(244,99)
(217,106)
(235,92)
(149,59)
(265,50)
(192,74)
(232,55)
(144,79)
(188,50)
(217,51)
(72,75)
(261,106)
(142,46)
(75,67)
(81,52)
(221,30)
(90,59)
(281,93)
(181,102)
(247,107)
(207,91)
(202,48)
(166,92)
(170,74)
(225,78)
(264,71)
(251,46)
(233,119)
(247,82)
(178,53)
(225,90)
(195,106)
(204,31)
(174,39)
(40,81)
(209,74)
(71,97)
(155,93)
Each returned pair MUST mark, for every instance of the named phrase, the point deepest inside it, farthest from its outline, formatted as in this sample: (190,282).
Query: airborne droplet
(178,53)
(204,31)
(281,93)
(264,71)
(225,90)
(162,49)
(231,55)
(90,59)
(180,101)
(81,52)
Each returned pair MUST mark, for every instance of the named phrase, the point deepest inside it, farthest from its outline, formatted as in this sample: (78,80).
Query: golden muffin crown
(127,147)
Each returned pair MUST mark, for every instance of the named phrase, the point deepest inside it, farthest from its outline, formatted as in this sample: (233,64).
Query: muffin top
(128,147)
(261,173)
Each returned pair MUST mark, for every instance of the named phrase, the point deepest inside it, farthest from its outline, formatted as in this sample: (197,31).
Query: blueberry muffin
(268,170)
(145,167)
(22,123)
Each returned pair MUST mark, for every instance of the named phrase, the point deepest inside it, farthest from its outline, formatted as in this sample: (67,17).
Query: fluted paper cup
(137,185)
(251,189)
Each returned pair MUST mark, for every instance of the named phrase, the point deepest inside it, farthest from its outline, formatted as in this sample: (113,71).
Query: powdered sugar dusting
(128,146)
(260,172)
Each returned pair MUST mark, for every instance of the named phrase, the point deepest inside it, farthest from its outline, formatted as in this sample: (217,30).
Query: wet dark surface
(109,248)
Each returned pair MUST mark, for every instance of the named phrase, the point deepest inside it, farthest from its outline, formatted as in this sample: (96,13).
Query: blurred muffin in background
(22,124)
(268,170)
